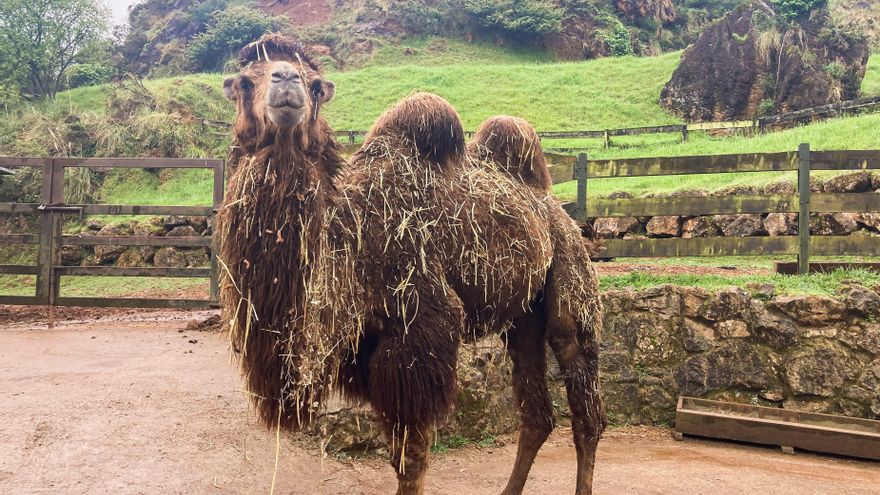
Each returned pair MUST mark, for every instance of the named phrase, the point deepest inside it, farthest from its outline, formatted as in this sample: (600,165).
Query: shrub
(89,74)
(617,37)
(528,18)
(798,9)
(766,107)
(202,12)
(836,70)
(229,30)
(419,17)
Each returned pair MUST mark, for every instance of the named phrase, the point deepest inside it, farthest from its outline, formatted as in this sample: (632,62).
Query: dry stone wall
(811,353)
(136,256)
(749,225)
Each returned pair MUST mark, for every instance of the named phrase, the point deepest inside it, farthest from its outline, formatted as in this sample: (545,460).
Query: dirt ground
(134,402)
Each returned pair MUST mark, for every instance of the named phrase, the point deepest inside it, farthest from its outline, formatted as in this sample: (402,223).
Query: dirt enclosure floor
(134,402)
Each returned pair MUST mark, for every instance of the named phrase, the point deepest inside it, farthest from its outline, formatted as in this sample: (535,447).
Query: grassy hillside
(597,94)
(871,84)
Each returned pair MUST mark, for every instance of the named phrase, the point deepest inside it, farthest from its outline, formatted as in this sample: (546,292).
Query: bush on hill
(527,18)
(228,31)
(798,9)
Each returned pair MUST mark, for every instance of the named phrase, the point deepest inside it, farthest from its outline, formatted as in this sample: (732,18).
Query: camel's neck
(312,149)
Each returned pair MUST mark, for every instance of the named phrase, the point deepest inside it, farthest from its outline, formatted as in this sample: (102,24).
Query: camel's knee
(566,348)
(409,458)
(539,428)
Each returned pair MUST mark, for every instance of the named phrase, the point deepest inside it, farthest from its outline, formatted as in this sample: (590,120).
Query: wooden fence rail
(566,168)
(52,208)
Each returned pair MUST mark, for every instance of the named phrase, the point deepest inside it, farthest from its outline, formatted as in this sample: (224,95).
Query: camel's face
(286,104)
(276,96)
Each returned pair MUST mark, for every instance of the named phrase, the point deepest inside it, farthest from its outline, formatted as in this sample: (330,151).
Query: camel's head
(279,89)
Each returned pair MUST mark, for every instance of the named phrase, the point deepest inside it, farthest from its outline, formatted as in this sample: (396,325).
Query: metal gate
(52,208)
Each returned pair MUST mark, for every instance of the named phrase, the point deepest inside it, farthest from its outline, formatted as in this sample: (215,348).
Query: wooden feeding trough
(786,428)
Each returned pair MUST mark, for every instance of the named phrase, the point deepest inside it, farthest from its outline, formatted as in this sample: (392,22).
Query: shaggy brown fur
(366,281)
(515,147)
(270,226)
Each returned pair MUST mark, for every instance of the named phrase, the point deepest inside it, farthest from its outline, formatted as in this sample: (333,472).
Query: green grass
(479,79)
(860,132)
(871,83)
(610,92)
(817,284)
(433,51)
(79,286)
(179,187)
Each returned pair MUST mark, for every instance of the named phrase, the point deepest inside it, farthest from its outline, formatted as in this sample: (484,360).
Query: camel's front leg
(409,458)
(412,381)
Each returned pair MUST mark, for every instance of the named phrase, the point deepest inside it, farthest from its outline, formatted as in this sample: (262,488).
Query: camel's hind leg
(574,343)
(412,382)
(525,344)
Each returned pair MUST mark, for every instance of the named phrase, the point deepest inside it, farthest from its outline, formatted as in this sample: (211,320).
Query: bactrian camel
(363,278)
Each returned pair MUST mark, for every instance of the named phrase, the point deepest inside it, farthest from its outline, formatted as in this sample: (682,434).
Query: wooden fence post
(50,232)
(684,133)
(607,137)
(217,203)
(580,174)
(804,209)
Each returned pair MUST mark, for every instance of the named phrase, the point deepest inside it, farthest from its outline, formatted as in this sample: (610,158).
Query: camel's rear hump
(513,144)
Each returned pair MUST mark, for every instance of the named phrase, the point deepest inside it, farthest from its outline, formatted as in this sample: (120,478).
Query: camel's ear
(229,88)
(322,91)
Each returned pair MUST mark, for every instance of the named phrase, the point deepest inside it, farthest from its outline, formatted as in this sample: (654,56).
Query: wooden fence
(49,270)
(52,208)
(579,168)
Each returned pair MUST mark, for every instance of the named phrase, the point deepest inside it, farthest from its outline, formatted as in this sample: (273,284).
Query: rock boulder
(724,75)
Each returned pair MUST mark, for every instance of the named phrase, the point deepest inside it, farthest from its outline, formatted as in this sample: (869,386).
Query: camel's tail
(514,146)
(425,121)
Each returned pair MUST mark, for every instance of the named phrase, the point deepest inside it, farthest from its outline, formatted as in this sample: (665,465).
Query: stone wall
(134,256)
(810,353)
(748,225)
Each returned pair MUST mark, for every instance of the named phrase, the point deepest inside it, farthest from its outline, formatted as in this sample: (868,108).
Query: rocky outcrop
(753,61)
(812,353)
(579,39)
(640,10)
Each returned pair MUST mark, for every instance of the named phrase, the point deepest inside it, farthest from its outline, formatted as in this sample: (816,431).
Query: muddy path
(136,402)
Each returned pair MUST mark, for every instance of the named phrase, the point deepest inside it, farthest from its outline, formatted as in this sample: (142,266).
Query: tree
(40,39)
